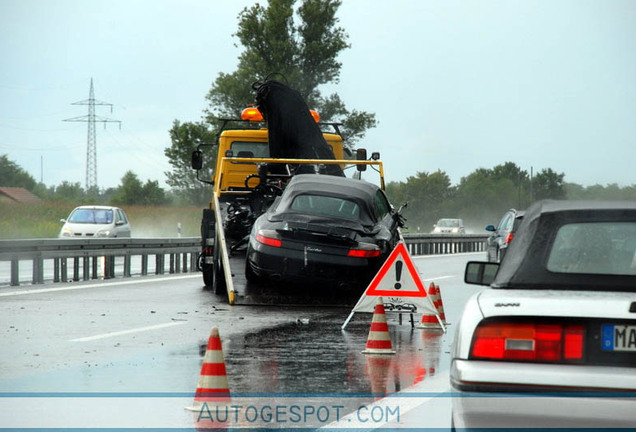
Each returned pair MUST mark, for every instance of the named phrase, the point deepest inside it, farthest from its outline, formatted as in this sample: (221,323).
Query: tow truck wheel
(208,275)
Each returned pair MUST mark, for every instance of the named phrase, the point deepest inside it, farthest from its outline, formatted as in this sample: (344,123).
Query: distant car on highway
(449,226)
(560,315)
(497,243)
(324,228)
(96,221)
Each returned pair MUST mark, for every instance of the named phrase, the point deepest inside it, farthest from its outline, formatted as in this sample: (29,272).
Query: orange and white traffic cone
(212,388)
(379,340)
(440,305)
(430,320)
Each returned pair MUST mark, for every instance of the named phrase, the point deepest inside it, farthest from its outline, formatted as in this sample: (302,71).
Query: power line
(91,142)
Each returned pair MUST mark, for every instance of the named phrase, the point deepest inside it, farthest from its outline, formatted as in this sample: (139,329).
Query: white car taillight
(555,343)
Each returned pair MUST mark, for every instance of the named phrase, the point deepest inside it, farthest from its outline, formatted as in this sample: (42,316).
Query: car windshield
(448,223)
(594,248)
(323,205)
(250,149)
(92,216)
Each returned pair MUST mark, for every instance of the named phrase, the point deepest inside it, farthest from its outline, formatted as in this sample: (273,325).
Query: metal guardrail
(437,244)
(88,255)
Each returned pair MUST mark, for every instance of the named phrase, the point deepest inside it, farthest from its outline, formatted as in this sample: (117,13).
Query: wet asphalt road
(146,338)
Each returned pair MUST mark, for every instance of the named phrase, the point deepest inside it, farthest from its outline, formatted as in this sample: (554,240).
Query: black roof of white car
(524,266)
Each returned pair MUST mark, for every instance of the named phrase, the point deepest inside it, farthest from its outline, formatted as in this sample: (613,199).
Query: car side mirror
(119,223)
(197,160)
(63,221)
(490,228)
(480,272)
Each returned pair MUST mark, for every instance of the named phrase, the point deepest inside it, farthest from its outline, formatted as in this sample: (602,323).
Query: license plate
(619,338)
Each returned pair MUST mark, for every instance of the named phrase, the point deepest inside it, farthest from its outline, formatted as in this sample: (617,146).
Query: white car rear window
(594,248)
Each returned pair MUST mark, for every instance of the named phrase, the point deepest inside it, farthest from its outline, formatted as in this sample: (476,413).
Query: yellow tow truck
(245,181)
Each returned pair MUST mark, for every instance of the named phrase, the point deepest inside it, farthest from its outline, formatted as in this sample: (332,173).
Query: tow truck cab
(251,143)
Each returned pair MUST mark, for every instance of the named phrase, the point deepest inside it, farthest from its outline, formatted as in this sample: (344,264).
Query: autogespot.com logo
(294,414)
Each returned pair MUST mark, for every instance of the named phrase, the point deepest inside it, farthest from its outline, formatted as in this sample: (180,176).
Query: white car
(449,226)
(96,221)
(559,316)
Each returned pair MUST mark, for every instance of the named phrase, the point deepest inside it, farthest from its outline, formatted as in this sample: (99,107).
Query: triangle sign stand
(397,279)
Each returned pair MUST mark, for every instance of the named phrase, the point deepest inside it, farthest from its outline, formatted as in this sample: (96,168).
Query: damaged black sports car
(324,229)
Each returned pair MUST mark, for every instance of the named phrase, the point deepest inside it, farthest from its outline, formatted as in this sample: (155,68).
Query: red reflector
(574,342)
(362,253)
(529,342)
(268,241)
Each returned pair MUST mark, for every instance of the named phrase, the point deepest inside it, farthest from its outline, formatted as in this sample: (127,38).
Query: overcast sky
(455,85)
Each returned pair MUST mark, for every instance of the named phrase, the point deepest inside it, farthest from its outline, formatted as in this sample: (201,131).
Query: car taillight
(269,239)
(364,250)
(510,237)
(362,253)
(529,342)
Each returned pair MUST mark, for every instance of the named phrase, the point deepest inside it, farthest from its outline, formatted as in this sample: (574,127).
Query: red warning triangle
(397,277)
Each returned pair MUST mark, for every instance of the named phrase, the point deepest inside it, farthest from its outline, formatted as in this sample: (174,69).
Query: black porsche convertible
(324,229)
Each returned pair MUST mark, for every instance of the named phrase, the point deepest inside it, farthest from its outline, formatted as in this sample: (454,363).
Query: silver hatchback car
(96,221)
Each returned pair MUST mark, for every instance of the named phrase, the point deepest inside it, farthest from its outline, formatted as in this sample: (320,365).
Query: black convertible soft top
(360,191)
(524,266)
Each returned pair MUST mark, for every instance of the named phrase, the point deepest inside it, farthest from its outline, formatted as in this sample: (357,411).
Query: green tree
(70,192)
(130,191)
(302,44)
(153,194)
(11,175)
(428,196)
(133,192)
(548,184)
(598,192)
(482,198)
(185,138)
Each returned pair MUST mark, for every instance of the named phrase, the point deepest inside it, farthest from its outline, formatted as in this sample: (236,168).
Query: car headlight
(455,230)
(103,233)
(67,232)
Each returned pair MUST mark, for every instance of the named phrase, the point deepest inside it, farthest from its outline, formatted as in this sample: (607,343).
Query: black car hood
(524,266)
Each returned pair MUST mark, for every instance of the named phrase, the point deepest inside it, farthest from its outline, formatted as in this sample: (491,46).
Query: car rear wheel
(250,275)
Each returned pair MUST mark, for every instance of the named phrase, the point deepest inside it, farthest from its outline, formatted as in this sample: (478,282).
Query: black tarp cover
(293,133)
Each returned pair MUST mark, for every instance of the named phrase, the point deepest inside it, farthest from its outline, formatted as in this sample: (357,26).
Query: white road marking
(430,389)
(109,284)
(447,255)
(437,277)
(123,332)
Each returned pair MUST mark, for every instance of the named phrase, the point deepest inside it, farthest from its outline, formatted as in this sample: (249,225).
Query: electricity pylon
(91,142)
